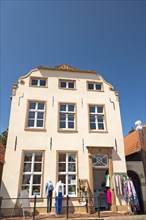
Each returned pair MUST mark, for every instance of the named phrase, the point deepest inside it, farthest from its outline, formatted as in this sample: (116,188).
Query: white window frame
(96,115)
(68,173)
(36,111)
(32,173)
(67,84)
(67,113)
(38,82)
(94,86)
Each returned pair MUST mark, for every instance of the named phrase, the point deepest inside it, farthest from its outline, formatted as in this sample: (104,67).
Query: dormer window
(95,86)
(66,84)
(39,82)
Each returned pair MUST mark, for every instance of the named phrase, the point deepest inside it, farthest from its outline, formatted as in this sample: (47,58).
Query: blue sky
(106,36)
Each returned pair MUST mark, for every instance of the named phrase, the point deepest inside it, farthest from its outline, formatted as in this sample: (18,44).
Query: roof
(132,143)
(2,153)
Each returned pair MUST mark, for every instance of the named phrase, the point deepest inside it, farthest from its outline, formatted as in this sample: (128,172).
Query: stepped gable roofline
(65,67)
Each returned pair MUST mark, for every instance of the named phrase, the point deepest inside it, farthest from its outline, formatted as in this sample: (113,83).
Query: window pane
(101,126)
(71,85)
(100,118)
(30,123)
(40,115)
(62,167)
(71,117)
(42,82)
(92,118)
(63,84)
(62,178)
(28,157)
(71,167)
(70,124)
(36,190)
(34,82)
(92,109)
(71,190)
(62,125)
(27,167)
(90,86)
(92,126)
(72,157)
(100,109)
(41,106)
(37,167)
(62,157)
(31,115)
(72,179)
(32,105)
(71,108)
(63,117)
(98,86)
(40,123)
(26,179)
(36,179)
(62,108)
(38,157)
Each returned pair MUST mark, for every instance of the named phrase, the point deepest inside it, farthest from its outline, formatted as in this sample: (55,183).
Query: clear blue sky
(106,36)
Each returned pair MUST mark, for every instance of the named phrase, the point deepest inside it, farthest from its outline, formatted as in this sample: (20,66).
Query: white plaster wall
(35,140)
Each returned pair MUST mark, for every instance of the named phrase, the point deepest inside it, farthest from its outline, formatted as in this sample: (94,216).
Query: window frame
(35,128)
(94,86)
(32,173)
(38,84)
(67,81)
(67,173)
(67,113)
(96,122)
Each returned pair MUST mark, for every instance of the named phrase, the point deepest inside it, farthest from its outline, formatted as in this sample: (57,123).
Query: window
(100,160)
(67,84)
(96,114)
(38,82)
(67,116)
(36,114)
(95,86)
(32,173)
(67,171)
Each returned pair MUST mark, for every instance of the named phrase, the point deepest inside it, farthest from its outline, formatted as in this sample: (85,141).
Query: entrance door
(100,189)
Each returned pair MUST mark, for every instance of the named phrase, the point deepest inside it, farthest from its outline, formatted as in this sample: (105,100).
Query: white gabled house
(64,125)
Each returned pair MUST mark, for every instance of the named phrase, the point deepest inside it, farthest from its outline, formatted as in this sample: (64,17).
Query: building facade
(64,125)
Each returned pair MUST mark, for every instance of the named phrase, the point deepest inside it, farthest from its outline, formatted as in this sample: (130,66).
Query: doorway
(101,188)
(137,184)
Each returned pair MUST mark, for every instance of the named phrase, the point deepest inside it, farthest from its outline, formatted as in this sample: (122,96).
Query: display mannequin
(59,190)
(48,192)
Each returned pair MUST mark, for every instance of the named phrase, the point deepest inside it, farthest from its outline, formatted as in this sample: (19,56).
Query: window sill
(97,131)
(67,88)
(37,200)
(67,130)
(35,129)
(92,90)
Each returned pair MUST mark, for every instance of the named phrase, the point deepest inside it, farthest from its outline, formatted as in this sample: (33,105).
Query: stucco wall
(40,140)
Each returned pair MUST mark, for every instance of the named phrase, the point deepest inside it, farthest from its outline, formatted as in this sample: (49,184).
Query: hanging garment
(49,191)
(59,188)
(107,181)
(108,196)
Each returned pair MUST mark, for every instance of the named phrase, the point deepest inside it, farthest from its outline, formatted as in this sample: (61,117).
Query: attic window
(94,86)
(38,82)
(66,84)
